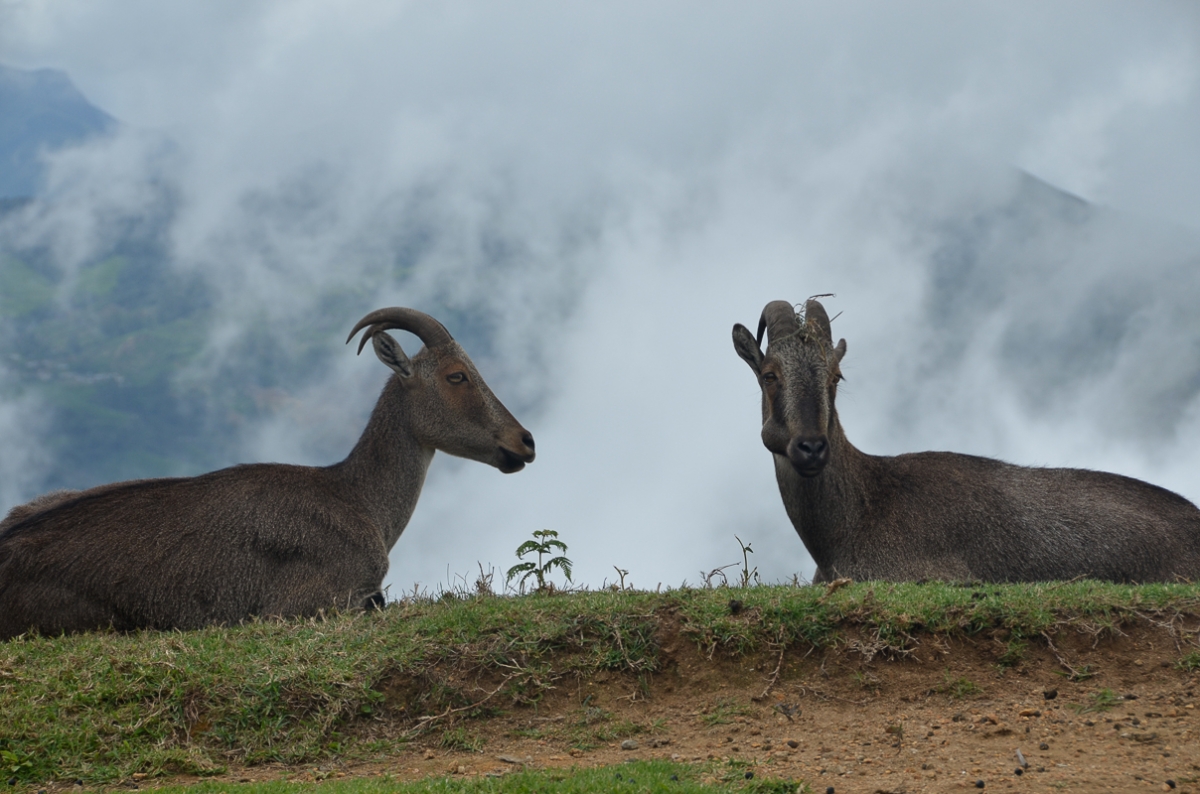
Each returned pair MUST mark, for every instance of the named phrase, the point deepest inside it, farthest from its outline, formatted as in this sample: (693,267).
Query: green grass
(958,688)
(894,610)
(100,707)
(724,713)
(632,778)
(1014,653)
(460,739)
(1103,700)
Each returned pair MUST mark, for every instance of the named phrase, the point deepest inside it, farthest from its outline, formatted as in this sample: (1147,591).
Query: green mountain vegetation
(101,349)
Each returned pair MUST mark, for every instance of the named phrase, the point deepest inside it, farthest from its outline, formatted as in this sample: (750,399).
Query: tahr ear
(390,353)
(747,347)
(840,351)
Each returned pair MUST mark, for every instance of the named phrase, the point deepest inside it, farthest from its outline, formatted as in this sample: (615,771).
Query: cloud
(598,193)
(25,456)
(1079,140)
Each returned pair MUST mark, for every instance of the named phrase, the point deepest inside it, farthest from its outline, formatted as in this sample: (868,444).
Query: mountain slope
(40,110)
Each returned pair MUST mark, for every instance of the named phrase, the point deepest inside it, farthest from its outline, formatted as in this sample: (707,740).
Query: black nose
(527,440)
(808,455)
(814,448)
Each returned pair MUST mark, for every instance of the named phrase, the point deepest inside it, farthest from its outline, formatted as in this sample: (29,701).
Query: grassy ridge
(100,707)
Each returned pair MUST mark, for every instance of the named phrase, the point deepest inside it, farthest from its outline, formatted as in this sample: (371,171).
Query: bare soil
(947,715)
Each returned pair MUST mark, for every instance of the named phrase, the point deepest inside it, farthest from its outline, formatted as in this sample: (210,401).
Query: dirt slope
(949,715)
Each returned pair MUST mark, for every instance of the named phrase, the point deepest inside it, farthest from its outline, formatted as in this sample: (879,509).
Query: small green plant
(1103,700)
(958,688)
(12,764)
(619,729)
(740,775)
(544,543)
(1190,663)
(1014,653)
(593,714)
(724,712)
(748,576)
(462,740)
(598,725)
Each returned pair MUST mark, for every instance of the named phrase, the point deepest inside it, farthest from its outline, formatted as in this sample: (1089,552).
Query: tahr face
(798,376)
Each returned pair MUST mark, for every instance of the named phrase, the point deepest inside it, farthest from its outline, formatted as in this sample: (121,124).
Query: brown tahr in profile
(942,515)
(259,539)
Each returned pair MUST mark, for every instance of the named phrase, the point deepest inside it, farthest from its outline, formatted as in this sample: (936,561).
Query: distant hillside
(40,110)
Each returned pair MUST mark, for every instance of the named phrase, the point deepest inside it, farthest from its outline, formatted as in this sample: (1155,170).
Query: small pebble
(792,743)
(749,776)
(1018,771)
(629,744)
(1050,694)
(1043,746)
(1170,784)
(978,784)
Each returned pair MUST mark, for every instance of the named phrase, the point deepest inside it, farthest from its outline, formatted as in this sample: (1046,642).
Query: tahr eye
(769,377)
(456,377)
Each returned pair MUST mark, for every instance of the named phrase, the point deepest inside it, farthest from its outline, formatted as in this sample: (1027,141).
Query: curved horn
(429,330)
(778,317)
(816,316)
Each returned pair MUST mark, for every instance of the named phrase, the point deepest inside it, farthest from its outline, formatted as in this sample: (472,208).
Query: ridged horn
(778,318)
(816,316)
(429,330)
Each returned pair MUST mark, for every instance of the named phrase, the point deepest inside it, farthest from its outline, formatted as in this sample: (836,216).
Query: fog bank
(1003,197)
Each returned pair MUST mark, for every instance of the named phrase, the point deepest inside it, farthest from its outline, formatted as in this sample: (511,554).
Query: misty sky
(614,185)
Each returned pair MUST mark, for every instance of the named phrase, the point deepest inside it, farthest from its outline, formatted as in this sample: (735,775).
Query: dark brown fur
(942,515)
(35,505)
(262,539)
